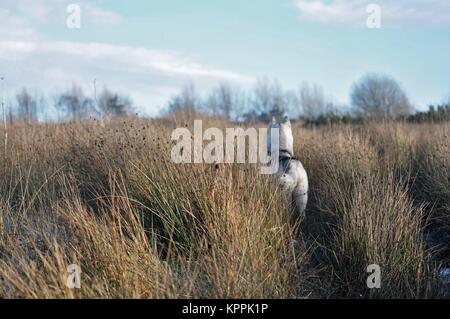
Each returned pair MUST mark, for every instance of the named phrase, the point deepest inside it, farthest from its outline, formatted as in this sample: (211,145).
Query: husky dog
(291,175)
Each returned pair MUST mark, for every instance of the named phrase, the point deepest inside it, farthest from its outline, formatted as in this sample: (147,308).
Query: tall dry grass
(108,197)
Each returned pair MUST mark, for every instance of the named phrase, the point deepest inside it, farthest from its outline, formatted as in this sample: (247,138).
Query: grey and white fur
(291,175)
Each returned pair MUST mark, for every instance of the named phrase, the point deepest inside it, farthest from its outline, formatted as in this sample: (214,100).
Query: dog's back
(293,180)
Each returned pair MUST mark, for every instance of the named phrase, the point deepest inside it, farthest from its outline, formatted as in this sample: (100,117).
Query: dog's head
(286,140)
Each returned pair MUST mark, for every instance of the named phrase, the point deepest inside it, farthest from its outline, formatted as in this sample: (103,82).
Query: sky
(149,49)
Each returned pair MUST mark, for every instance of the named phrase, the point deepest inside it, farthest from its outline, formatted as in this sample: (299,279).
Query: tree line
(374,97)
(73,104)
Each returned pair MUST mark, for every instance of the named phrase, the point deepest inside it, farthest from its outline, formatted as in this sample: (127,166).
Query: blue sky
(148,49)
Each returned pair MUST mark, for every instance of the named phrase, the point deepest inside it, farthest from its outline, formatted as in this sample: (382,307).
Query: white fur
(291,175)
(286,138)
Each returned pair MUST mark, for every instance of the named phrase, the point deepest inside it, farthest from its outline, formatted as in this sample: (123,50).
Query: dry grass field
(108,197)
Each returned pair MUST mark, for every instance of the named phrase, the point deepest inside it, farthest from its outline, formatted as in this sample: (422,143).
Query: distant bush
(435,114)
(334,118)
(440,113)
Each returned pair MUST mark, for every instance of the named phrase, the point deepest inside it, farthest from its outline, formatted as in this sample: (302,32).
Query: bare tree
(223,101)
(312,100)
(26,106)
(113,104)
(75,104)
(185,102)
(292,100)
(269,99)
(379,97)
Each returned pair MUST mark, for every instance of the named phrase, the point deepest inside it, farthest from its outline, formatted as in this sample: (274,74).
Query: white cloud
(37,10)
(125,58)
(14,26)
(393,12)
(149,76)
(44,12)
(335,11)
(101,16)
(29,58)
